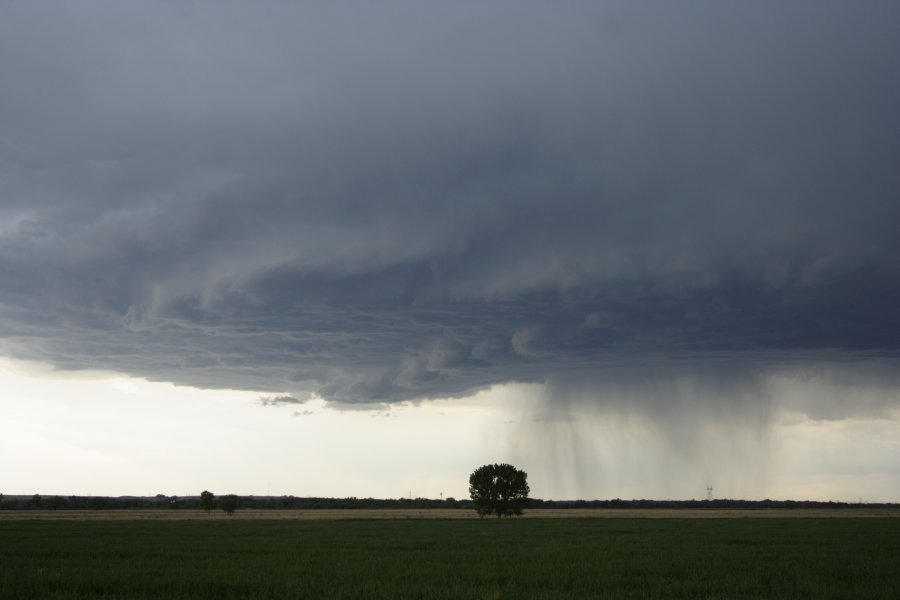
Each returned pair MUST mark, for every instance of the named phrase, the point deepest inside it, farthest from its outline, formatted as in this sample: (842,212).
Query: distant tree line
(161,501)
(721,503)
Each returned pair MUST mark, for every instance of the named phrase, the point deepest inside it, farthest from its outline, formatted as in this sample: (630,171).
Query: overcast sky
(605,236)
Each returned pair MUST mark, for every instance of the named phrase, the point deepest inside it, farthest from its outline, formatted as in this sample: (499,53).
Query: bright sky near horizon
(105,434)
(363,248)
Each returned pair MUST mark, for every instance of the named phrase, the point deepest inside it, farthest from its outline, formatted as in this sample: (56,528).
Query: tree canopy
(207,500)
(229,504)
(499,489)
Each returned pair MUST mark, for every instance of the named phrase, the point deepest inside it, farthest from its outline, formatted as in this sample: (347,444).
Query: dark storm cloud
(420,200)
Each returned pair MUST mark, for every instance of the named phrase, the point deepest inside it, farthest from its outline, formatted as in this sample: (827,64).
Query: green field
(539,558)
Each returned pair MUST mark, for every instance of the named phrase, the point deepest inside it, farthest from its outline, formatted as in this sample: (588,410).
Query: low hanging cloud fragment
(280,400)
(422,204)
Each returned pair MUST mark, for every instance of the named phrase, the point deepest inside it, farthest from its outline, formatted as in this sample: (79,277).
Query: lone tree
(206,500)
(498,489)
(229,504)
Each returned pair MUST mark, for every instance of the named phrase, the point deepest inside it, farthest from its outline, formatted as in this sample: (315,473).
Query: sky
(357,248)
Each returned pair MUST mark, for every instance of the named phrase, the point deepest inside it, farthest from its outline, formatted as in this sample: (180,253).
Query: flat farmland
(443,513)
(371,556)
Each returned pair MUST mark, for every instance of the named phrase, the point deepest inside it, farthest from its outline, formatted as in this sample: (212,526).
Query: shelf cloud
(386,204)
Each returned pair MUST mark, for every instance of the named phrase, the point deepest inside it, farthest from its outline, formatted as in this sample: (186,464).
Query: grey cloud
(388,203)
(382,415)
(280,400)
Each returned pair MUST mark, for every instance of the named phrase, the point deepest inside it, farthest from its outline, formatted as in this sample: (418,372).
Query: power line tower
(709,491)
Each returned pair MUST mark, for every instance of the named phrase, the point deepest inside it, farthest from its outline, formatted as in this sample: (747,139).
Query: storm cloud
(416,200)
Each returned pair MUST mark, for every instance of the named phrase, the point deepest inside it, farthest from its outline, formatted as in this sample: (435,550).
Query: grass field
(452,558)
(443,513)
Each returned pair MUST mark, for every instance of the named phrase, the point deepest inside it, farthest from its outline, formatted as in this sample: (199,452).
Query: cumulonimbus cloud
(421,204)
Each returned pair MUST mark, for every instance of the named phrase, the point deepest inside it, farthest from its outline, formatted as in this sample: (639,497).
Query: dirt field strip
(438,513)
